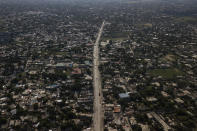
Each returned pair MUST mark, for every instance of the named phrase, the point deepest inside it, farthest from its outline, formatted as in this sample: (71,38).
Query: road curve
(98,111)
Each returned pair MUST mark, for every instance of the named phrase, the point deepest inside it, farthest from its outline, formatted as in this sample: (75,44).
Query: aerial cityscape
(98,65)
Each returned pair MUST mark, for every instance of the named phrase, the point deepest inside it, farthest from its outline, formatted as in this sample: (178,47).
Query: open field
(185,19)
(144,25)
(117,36)
(2,28)
(166,73)
(53,52)
(114,39)
(135,1)
(1,21)
(131,2)
(169,57)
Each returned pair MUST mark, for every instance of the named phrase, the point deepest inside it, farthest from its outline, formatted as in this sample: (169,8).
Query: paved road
(98,110)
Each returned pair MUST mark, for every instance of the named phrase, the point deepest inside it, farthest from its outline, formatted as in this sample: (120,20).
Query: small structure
(124,95)
(52,86)
(117,109)
(76,71)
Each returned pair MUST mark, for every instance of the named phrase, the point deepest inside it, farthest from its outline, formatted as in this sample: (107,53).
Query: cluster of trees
(2,121)
(59,75)
(8,69)
(63,121)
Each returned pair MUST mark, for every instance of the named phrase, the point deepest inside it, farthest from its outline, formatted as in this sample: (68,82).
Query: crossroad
(98,110)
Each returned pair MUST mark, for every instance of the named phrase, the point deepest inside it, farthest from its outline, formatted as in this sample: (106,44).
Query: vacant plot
(1,21)
(148,25)
(53,52)
(116,36)
(144,25)
(131,2)
(114,39)
(186,19)
(169,57)
(166,73)
(135,1)
(2,27)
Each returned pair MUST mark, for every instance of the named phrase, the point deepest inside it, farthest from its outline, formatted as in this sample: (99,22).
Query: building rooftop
(124,95)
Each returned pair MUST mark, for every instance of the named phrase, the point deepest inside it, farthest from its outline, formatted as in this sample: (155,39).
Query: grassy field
(1,21)
(186,19)
(21,43)
(60,53)
(169,57)
(166,73)
(2,29)
(117,36)
(135,1)
(148,25)
(144,25)
(50,52)
(131,2)
(114,39)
